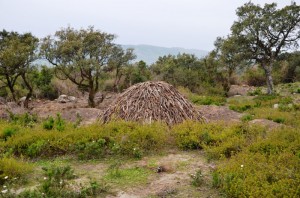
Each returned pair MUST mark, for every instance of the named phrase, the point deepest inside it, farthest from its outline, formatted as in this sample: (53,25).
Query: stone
(275,106)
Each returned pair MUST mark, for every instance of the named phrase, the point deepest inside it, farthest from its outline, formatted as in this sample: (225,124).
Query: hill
(150,54)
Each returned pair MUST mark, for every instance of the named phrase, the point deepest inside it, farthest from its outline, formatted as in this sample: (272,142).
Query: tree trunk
(30,90)
(91,98)
(11,87)
(269,79)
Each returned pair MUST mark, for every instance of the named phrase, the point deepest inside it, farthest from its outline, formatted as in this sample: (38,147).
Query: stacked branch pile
(152,101)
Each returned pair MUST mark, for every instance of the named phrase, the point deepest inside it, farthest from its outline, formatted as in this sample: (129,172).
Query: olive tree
(80,56)
(17,52)
(265,32)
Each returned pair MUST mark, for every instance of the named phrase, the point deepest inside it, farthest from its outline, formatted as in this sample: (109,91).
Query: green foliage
(269,167)
(25,120)
(127,177)
(8,132)
(58,123)
(17,52)
(254,77)
(267,28)
(42,81)
(218,141)
(240,108)
(56,183)
(36,148)
(93,51)
(257,92)
(13,169)
(197,179)
(247,118)
(89,142)
(208,100)
(202,100)
(49,123)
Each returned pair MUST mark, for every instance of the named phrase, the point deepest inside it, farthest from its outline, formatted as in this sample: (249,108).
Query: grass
(127,177)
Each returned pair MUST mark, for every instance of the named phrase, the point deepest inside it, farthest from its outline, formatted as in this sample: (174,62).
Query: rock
(64,99)
(21,100)
(240,90)
(72,98)
(275,106)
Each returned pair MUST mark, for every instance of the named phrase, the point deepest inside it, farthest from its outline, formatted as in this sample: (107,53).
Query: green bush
(8,132)
(267,168)
(208,100)
(246,118)
(89,142)
(240,108)
(56,183)
(49,123)
(197,179)
(13,169)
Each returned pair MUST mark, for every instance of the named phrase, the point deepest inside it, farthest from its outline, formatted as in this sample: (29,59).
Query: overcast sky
(168,23)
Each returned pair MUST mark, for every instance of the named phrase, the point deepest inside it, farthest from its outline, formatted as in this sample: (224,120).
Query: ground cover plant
(244,155)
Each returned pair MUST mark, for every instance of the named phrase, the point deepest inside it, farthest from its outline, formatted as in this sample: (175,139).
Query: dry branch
(152,101)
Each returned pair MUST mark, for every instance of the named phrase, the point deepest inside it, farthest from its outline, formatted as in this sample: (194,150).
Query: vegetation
(55,158)
(81,56)
(263,32)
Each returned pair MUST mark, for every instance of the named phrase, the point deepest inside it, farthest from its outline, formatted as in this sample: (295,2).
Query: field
(247,148)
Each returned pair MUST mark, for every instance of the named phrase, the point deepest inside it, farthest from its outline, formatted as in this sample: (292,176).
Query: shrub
(49,123)
(8,132)
(246,118)
(26,120)
(267,168)
(56,184)
(208,100)
(12,169)
(197,179)
(90,142)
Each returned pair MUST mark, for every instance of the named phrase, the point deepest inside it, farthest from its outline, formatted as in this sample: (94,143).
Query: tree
(230,58)
(264,32)
(119,60)
(17,52)
(80,56)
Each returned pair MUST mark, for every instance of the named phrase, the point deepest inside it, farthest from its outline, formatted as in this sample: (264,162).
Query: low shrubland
(252,161)
(94,141)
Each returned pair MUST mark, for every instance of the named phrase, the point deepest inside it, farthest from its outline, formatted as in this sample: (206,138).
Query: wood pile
(152,101)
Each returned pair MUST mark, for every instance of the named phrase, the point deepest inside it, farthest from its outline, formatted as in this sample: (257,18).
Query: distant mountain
(147,53)
(150,54)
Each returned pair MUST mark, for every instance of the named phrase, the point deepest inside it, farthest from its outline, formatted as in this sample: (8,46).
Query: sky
(192,24)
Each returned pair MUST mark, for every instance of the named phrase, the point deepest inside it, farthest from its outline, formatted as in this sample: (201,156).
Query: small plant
(78,120)
(247,118)
(49,123)
(95,189)
(197,179)
(8,132)
(279,120)
(12,169)
(257,91)
(60,123)
(56,177)
(114,169)
(216,180)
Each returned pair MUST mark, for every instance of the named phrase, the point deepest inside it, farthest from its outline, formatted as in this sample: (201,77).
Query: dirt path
(175,180)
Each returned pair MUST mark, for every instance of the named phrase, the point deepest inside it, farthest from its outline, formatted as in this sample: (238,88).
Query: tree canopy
(17,51)
(81,56)
(265,32)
